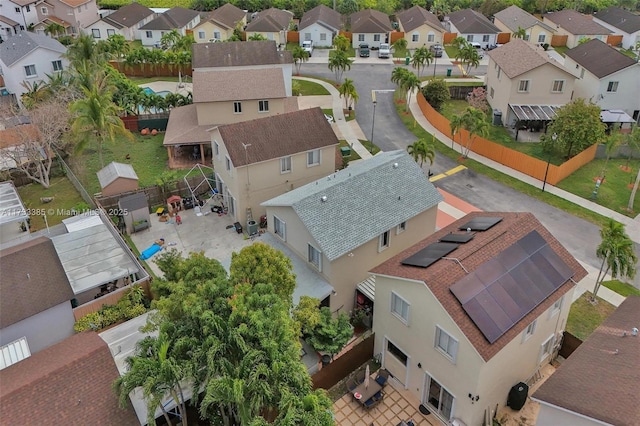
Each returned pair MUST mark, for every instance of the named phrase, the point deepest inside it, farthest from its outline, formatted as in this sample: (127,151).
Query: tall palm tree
(459,42)
(520,33)
(617,253)
(422,150)
(456,124)
(410,83)
(339,62)
(299,56)
(470,56)
(475,121)
(55,30)
(349,93)
(96,117)
(422,57)
(117,46)
(398,75)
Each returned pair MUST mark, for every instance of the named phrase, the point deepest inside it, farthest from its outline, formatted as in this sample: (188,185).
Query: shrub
(436,93)
(131,305)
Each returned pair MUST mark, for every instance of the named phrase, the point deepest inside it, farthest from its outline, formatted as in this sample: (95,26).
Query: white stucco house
(177,18)
(621,22)
(20,12)
(319,25)
(472,26)
(126,21)
(369,26)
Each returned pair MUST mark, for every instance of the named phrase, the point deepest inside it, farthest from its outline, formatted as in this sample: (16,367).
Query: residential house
(75,15)
(620,21)
(177,18)
(22,12)
(125,21)
(473,26)
(575,26)
(347,223)
(320,25)
(42,25)
(257,160)
(8,27)
(521,76)
(15,143)
(420,27)
(512,19)
(116,178)
(369,26)
(13,216)
(598,383)
(220,24)
(472,310)
(36,295)
(232,82)
(606,77)
(70,382)
(28,58)
(272,24)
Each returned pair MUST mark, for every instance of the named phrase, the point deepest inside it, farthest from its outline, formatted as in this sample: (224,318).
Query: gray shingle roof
(468,21)
(23,43)
(370,21)
(270,20)
(227,15)
(219,85)
(113,171)
(620,18)
(518,56)
(128,16)
(514,17)
(599,58)
(575,22)
(417,16)
(174,18)
(322,15)
(238,54)
(363,201)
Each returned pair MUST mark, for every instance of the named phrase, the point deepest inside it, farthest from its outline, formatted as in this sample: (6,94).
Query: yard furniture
(382,377)
(364,393)
(354,380)
(374,401)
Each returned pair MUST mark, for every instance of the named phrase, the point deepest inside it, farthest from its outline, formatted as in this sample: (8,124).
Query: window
(400,308)
(431,37)
(415,37)
(491,92)
(314,257)
(110,32)
(279,227)
(523,86)
(263,106)
(396,352)
(528,332)
(541,38)
(57,65)
(556,307)
(307,36)
(44,10)
(470,37)
(86,7)
(285,164)
(95,32)
(499,73)
(401,228)
(148,34)
(558,86)
(216,35)
(360,37)
(201,35)
(313,157)
(582,73)
(17,10)
(323,36)
(446,344)
(439,398)
(227,163)
(383,241)
(237,107)
(376,37)
(30,70)
(216,149)
(485,38)
(28,8)
(527,37)
(612,87)
(547,347)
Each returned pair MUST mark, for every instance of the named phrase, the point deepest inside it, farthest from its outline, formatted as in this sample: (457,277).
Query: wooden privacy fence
(395,36)
(569,344)
(511,158)
(448,37)
(503,38)
(614,40)
(343,366)
(558,40)
(460,92)
(152,70)
(293,37)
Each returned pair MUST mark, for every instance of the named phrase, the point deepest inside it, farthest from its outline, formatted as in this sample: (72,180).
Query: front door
(439,400)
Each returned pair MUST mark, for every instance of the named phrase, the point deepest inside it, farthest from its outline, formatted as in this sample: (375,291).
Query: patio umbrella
(174,199)
(366,377)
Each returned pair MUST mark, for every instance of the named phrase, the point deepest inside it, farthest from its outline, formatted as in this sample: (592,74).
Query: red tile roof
(68,383)
(441,275)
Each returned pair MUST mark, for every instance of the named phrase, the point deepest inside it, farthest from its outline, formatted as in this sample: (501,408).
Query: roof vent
(395,165)
(323,198)
(634,331)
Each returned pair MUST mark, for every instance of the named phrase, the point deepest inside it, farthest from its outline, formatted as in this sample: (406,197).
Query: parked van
(478,47)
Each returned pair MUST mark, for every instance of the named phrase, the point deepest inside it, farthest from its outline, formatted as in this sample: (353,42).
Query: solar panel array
(503,290)
(457,238)
(430,254)
(481,223)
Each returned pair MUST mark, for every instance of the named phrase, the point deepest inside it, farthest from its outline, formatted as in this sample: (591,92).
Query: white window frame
(216,149)
(263,106)
(485,38)
(313,158)
(448,348)
(401,228)
(542,37)
(227,163)
(612,86)
(307,36)
(27,71)
(285,164)
(95,31)
(491,92)
(470,37)
(202,34)
(280,228)
(44,10)
(526,84)
(400,308)
(57,65)
(237,107)
(360,37)
(323,36)
(553,86)
(382,245)
(529,331)
(499,72)
(415,37)
(148,34)
(431,37)
(376,37)
(314,256)
(546,348)
(216,35)
(556,307)
(110,32)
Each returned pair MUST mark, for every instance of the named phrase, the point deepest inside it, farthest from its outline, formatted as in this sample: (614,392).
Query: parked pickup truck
(307,45)
(384,51)
(364,50)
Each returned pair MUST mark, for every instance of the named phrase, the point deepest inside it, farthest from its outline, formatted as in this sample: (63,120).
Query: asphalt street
(579,236)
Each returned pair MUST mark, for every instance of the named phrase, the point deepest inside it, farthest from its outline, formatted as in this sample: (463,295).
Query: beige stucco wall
(222,112)
(423,32)
(119,186)
(535,31)
(209,28)
(280,37)
(551,415)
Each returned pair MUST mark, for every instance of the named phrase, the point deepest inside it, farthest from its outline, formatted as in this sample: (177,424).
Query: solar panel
(503,290)
(457,238)
(481,223)
(430,254)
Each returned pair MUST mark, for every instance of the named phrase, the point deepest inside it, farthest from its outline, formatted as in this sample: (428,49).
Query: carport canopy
(535,112)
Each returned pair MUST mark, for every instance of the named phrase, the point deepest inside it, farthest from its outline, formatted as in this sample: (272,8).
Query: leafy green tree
(400,46)
(469,55)
(441,8)
(459,42)
(617,253)
(299,56)
(576,126)
(84,54)
(347,7)
(256,37)
(331,334)
(339,62)
(475,121)
(306,314)
(341,42)
(117,46)
(422,150)
(348,91)
(422,57)
(436,93)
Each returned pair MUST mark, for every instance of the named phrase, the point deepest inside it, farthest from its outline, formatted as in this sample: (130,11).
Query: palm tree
(398,75)
(117,46)
(421,150)
(617,253)
(520,33)
(349,93)
(256,37)
(422,57)
(456,124)
(410,83)
(96,117)
(299,56)
(475,121)
(470,56)
(459,42)
(338,63)
(400,45)
(55,30)
(36,92)
(84,49)
(169,40)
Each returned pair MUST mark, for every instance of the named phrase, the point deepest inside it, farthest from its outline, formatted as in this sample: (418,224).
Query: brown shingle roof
(174,18)
(600,379)
(74,3)
(33,280)
(270,20)
(68,383)
(518,56)
(599,58)
(514,17)
(575,22)
(417,16)
(227,15)
(468,21)
(322,15)
(620,18)
(128,16)
(237,85)
(441,275)
(370,21)
(277,136)
(183,128)
(238,54)
(18,135)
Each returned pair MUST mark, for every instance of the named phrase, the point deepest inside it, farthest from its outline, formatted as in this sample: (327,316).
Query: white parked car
(307,45)
(384,51)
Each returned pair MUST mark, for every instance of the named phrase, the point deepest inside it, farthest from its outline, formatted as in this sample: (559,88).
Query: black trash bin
(518,396)
(449,72)
(326,360)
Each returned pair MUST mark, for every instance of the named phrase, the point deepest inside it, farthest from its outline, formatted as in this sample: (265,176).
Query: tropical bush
(133,304)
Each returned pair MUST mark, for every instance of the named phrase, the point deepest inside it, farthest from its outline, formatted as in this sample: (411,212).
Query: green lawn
(373,149)
(614,192)
(309,88)
(65,197)
(629,53)
(400,53)
(451,51)
(623,289)
(585,317)
(354,155)
(561,50)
